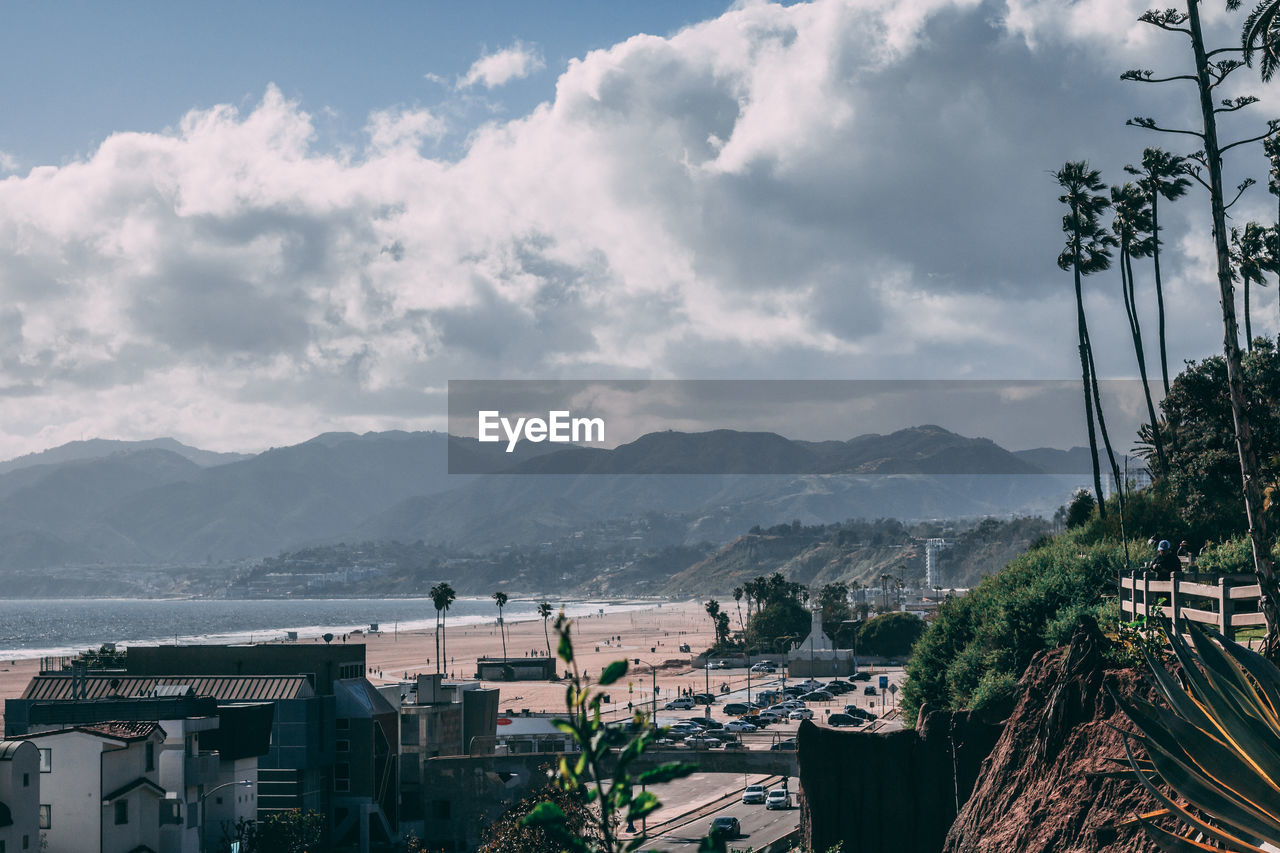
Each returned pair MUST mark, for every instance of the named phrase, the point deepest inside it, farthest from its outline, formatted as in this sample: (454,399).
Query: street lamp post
(654,671)
(247,783)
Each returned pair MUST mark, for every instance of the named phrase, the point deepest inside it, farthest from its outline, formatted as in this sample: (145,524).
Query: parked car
(717,664)
(763,667)
(800,714)
(704,698)
(777,799)
(732,744)
(684,703)
(811,684)
(753,794)
(756,720)
(768,718)
(737,709)
(739,726)
(769,697)
(869,690)
(860,676)
(704,722)
(794,690)
(726,826)
(702,742)
(665,741)
(844,720)
(817,696)
(838,686)
(788,745)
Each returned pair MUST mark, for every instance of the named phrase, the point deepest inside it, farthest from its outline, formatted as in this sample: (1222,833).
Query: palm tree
(1261,34)
(1250,258)
(737,599)
(1134,232)
(713,610)
(442,595)
(1163,175)
(544,610)
(1271,146)
(501,598)
(1087,251)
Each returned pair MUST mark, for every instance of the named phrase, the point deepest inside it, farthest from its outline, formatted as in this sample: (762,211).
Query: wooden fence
(1228,602)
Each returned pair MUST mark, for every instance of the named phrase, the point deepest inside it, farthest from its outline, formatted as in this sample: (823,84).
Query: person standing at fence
(1166,562)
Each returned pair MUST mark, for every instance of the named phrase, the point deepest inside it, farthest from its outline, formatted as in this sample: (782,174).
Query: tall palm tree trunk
(437,642)
(1259,536)
(1083,332)
(1248,326)
(1155,259)
(1102,425)
(1135,330)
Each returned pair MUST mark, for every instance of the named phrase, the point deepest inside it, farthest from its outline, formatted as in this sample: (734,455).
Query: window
(26,842)
(46,818)
(409,729)
(46,760)
(26,783)
(170,812)
(342,745)
(342,724)
(151,757)
(122,812)
(342,777)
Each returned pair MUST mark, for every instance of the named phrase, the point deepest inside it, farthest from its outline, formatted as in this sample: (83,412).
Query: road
(760,827)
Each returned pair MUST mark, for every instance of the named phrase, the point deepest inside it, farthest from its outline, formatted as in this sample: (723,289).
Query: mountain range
(163,503)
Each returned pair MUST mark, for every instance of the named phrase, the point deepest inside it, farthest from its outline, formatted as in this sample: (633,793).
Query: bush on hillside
(990,635)
(890,635)
(778,624)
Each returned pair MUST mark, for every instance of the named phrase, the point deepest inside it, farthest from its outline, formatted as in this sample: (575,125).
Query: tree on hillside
(1209,74)
(1081,509)
(1087,251)
(1204,473)
(778,624)
(500,598)
(833,599)
(1250,259)
(1133,230)
(891,635)
(544,610)
(442,595)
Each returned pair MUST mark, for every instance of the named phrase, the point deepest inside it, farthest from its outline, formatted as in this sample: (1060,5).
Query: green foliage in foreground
(979,644)
(1216,746)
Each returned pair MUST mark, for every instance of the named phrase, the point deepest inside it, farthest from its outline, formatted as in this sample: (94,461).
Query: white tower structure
(933,577)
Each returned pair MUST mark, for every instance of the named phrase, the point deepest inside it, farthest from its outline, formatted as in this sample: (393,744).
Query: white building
(815,656)
(100,788)
(19,796)
(933,577)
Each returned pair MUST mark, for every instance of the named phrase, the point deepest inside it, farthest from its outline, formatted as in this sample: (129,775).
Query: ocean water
(34,627)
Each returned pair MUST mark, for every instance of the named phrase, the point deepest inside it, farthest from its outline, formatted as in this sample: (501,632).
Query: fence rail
(1228,602)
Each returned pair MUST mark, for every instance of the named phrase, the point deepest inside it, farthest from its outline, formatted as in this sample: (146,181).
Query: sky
(244,224)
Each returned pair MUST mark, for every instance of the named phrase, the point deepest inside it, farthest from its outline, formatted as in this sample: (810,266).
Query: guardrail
(1228,602)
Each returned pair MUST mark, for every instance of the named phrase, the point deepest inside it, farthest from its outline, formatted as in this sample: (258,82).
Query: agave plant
(1216,746)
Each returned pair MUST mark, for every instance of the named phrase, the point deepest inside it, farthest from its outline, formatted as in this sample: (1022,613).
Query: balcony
(201,768)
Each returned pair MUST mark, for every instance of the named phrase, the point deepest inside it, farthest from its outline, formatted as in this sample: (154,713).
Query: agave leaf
(1171,843)
(1207,793)
(1263,672)
(1231,842)
(1259,703)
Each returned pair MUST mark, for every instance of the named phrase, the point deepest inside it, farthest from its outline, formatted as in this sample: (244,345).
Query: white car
(739,726)
(684,704)
(772,716)
(800,714)
(777,799)
(753,794)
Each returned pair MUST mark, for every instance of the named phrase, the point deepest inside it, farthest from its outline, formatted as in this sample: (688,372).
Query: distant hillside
(96,448)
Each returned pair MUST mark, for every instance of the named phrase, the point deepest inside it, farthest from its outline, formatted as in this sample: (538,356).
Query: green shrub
(890,635)
(996,695)
(991,634)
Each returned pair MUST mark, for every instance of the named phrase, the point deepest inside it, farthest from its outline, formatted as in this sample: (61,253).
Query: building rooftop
(113,686)
(126,730)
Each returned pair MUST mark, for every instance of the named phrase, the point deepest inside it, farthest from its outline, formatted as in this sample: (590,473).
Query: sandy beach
(653,634)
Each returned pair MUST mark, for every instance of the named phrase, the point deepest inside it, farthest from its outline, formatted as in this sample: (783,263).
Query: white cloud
(496,69)
(828,189)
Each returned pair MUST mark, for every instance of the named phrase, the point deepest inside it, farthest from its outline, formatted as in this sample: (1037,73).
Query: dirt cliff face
(1041,790)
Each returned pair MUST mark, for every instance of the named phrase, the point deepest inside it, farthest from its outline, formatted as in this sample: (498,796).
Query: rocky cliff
(1044,788)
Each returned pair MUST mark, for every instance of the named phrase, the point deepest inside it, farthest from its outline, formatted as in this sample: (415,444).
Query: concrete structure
(102,788)
(19,796)
(518,669)
(932,576)
(816,657)
(438,719)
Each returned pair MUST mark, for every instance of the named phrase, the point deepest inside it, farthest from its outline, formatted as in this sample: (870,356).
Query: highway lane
(760,827)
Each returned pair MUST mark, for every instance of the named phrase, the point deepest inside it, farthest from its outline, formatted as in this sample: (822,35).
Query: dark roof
(9,749)
(227,687)
(126,730)
(124,790)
